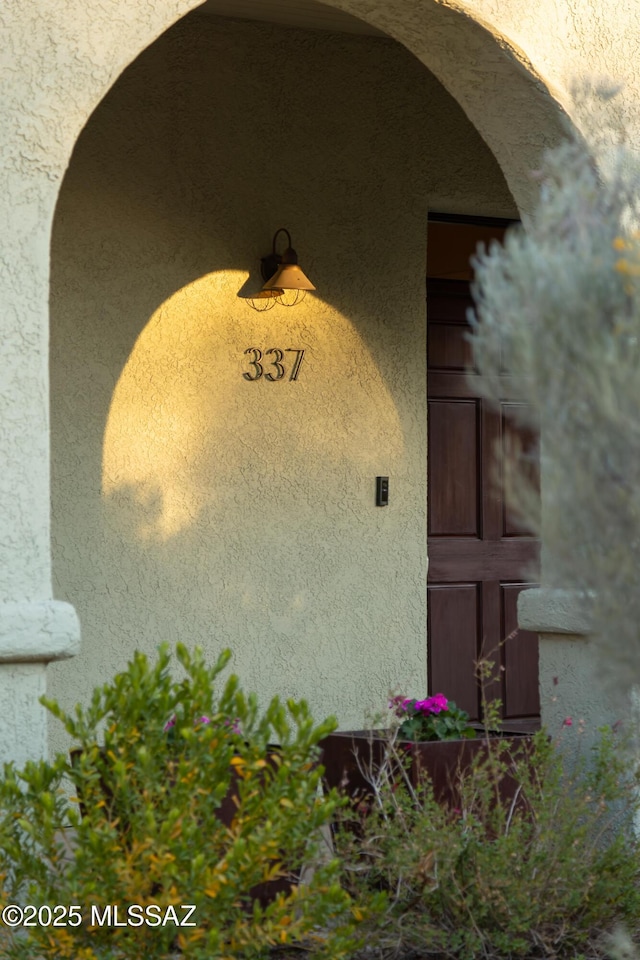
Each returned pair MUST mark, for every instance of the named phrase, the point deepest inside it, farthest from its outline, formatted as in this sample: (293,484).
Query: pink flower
(171,722)
(567,722)
(430,705)
(435,704)
(439,702)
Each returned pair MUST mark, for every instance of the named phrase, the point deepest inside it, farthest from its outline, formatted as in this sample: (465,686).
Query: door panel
(520,658)
(454,433)
(454,611)
(447,346)
(480,556)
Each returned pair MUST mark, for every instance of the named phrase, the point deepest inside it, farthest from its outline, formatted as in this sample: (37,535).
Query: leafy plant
(434,718)
(150,831)
(542,871)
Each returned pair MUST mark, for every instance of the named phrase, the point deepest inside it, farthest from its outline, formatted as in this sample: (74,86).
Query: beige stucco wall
(189,503)
(572,686)
(571,682)
(509,64)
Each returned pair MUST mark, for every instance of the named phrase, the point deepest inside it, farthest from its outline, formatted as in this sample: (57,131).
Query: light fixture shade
(288,276)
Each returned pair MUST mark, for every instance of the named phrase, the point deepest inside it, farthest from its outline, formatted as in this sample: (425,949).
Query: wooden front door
(479,558)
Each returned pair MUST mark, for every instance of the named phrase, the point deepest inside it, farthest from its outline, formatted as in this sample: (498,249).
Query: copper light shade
(289,276)
(282,272)
(284,281)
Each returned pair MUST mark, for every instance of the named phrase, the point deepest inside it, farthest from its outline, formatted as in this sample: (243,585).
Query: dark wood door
(479,557)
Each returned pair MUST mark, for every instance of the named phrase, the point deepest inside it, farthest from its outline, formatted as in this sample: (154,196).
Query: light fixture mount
(284,281)
(281,272)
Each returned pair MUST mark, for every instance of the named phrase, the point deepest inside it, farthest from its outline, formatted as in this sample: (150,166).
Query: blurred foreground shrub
(545,873)
(158,759)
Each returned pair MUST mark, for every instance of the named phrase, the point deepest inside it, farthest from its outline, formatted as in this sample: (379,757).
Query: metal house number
(259,361)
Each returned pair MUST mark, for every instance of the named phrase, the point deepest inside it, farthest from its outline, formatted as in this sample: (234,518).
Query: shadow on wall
(192,503)
(233,512)
(188,502)
(241,503)
(205,412)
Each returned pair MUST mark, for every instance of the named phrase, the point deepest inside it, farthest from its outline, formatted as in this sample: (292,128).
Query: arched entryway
(385,214)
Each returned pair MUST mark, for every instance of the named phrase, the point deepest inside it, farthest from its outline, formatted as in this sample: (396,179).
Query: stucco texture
(572,690)
(60,58)
(23,727)
(508,65)
(188,502)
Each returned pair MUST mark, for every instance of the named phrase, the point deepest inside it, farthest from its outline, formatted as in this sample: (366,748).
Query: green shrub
(146,830)
(544,871)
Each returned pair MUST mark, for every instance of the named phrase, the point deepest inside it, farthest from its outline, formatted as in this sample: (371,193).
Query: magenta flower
(435,704)
(439,702)
(567,722)
(433,718)
(171,722)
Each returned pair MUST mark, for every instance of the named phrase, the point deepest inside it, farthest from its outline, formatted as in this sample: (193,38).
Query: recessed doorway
(480,556)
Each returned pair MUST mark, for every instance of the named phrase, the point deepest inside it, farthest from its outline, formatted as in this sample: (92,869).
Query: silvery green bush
(559,307)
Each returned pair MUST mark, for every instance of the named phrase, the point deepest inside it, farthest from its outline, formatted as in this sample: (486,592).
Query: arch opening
(253,518)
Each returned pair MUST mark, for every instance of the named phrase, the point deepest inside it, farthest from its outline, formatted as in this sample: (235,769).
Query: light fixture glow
(285,283)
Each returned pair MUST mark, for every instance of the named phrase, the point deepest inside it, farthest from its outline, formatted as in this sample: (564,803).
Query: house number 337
(272,361)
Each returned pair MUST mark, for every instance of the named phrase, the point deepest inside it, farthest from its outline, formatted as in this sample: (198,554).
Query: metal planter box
(347,754)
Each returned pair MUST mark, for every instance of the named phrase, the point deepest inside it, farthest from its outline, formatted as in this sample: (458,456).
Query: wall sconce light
(285,283)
